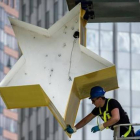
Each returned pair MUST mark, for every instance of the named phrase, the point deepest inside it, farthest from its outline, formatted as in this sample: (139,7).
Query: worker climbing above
(110,111)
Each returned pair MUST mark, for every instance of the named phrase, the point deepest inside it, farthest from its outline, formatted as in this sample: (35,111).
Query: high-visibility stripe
(128,132)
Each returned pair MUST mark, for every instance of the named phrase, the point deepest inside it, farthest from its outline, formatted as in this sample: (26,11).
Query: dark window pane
(55,11)
(38,132)
(22,138)
(24,12)
(55,125)
(9,63)
(6,2)
(64,6)
(1,67)
(22,115)
(1,131)
(31,6)
(1,109)
(12,3)
(30,111)
(46,128)
(1,24)
(38,2)
(47,21)
(39,23)
(30,135)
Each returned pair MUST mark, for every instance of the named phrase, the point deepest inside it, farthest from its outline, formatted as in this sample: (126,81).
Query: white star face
(55,70)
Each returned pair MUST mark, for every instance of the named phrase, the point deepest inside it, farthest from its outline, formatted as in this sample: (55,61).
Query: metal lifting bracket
(88,7)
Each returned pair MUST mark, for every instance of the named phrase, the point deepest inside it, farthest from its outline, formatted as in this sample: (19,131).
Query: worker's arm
(79,125)
(84,121)
(114,119)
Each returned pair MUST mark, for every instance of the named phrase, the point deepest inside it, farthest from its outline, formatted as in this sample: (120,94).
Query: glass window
(1,25)
(107,55)
(46,128)
(1,75)
(123,42)
(124,78)
(135,115)
(39,23)
(1,67)
(17,5)
(64,7)
(135,99)
(106,134)
(38,2)
(24,12)
(1,56)
(124,93)
(106,26)
(55,125)
(2,13)
(31,6)
(123,60)
(6,2)
(1,46)
(106,40)
(30,135)
(135,61)
(7,22)
(1,35)
(30,111)
(135,43)
(22,115)
(92,42)
(109,94)
(55,11)
(92,26)
(12,3)
(47,20)
(38,132)
(136,80)
(123,27)
(135,27)
(22,138)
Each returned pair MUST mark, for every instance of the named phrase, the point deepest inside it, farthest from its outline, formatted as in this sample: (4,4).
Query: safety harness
(106,116)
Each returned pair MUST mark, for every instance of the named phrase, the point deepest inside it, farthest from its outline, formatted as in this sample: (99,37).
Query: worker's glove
(97,128)
(70,130)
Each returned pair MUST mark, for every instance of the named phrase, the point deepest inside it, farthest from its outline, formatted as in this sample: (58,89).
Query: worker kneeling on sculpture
(110,111)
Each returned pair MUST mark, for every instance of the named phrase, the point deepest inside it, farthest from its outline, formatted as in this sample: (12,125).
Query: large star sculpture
(55,70)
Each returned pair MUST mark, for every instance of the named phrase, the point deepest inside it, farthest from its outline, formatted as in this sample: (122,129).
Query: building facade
(116,42)
(8,57)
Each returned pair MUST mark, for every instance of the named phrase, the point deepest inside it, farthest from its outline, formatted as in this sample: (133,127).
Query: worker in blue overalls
(110,111)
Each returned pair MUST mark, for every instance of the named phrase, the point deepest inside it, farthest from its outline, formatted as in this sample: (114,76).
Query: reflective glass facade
(8,44)
(125,54)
